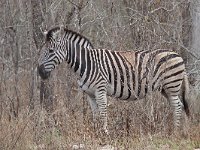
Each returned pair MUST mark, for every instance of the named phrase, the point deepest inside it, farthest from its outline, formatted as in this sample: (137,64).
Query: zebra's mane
(55,29)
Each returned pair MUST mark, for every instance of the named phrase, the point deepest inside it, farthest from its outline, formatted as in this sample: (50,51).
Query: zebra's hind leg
(177,106)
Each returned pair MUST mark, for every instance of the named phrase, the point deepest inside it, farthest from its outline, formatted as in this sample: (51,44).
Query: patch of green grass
(172,143)
(155,143)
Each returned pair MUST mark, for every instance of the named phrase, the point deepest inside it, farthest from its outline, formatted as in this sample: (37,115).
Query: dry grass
(133,125)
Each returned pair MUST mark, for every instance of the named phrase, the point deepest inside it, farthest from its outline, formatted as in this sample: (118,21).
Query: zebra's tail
(186,95)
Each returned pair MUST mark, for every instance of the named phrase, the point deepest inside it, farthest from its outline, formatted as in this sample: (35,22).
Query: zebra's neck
(77,53)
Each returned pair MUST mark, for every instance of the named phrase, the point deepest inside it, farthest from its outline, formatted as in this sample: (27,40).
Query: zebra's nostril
(43,74)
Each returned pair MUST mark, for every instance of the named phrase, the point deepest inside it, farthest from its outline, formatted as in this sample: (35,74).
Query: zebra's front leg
(101,101)
(94,108)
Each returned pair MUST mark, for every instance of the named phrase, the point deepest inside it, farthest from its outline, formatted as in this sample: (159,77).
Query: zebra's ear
(62,30)
(45,33)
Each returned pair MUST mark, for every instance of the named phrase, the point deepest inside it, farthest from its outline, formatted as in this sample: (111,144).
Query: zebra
(127,75)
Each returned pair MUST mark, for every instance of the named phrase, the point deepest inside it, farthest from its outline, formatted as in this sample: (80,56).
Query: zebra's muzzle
(43,74)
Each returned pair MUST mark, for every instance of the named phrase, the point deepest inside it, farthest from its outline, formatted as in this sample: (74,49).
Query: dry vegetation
(55,115)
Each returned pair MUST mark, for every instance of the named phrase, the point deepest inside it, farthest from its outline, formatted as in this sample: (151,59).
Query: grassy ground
(65,129)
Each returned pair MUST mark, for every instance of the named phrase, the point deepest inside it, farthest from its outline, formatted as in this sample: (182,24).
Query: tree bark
(12,33)
(195,8)
(38,7)
(195,61)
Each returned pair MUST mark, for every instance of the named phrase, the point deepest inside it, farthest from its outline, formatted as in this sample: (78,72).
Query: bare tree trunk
(12,31)
(195,9)
(16,67)
(38,7)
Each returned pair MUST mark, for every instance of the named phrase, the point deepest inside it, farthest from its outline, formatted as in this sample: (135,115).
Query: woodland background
(55,114)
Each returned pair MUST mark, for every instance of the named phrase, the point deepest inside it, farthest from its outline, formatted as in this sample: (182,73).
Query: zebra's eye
(59,39)
(51,50)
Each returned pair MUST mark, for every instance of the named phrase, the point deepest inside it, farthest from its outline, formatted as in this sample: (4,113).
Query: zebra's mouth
(43,74)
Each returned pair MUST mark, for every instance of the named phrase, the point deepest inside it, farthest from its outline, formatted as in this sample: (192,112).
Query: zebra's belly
(124,96)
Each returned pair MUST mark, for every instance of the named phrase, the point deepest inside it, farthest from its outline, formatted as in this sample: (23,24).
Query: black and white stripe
(127,75)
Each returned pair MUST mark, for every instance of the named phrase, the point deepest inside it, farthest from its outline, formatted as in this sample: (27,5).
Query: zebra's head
(53,51)
(59,41)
